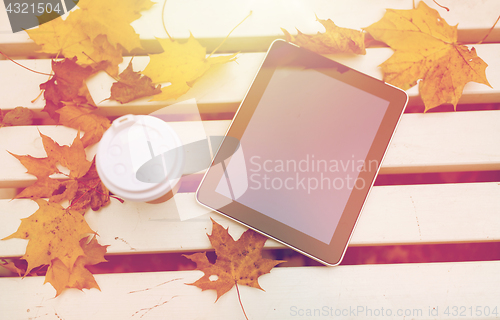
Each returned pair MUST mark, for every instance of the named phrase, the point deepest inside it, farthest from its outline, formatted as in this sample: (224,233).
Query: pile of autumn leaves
(94,38)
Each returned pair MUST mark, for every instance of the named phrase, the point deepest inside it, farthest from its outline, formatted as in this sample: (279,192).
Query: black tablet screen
(303,149)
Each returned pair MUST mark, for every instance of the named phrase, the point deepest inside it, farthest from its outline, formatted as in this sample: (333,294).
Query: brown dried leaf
(132,85)
(237,261)
(91,192)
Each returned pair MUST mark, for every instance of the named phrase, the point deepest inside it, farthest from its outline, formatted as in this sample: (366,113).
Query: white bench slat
(222,88)
(409,288)
(434,142)
(269,17)
(410,214)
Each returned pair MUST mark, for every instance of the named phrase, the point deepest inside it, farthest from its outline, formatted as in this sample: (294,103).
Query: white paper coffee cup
(140,158)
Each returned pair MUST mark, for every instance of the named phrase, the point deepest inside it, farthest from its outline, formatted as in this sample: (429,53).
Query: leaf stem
(50,77)
(441,6)
(239,299)
(163,20)
(491,29)
(6,56)
(229,34)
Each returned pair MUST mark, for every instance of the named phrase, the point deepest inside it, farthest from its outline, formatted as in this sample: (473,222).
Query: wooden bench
(444,213)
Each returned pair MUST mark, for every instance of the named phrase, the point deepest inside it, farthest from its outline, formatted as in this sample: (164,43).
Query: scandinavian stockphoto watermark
(309,173)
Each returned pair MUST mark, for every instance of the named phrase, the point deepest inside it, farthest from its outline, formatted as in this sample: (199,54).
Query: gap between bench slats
(433,142)
(415,289)
(409,214)
(223,87)
(260,29)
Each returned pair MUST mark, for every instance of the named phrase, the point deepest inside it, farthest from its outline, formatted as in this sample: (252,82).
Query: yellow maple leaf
(94,32)
(62,277)
(181,64)
(54,232)
(334,40)
(112,18)
(67,38)
(62,36)
(426,49)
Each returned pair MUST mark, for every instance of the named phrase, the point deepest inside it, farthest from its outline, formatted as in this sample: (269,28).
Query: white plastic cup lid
(140,158)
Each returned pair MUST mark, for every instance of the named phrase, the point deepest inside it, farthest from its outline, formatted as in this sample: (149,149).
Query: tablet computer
(303,150)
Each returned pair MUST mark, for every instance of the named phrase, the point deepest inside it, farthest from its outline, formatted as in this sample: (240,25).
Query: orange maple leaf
(83,187)
(334,40)
(426,49)
(67,84)
(132,85)
(238,262)
(85,118)
(72,158)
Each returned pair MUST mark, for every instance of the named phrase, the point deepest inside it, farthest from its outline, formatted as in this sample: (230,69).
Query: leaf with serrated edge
(54,232)
(181,64)
(237,261)
(426,49)
(334,40)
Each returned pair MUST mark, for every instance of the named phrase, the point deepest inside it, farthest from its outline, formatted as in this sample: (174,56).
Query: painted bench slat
(449,142)
(267,19)
(418,290)
(222,88)
(410,214)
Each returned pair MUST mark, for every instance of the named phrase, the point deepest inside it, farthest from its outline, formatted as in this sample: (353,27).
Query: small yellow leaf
(181,64)
(333,40)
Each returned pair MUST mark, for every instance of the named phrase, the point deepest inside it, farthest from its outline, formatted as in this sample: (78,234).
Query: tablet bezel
(282,53)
